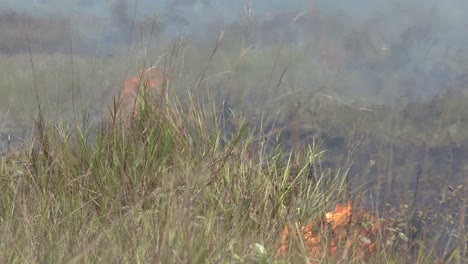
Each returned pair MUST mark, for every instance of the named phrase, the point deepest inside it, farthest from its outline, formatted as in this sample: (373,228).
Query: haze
(422,47)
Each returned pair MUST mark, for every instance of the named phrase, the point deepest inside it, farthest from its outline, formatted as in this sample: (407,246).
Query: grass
(171,185)
(157,189)
(193,180)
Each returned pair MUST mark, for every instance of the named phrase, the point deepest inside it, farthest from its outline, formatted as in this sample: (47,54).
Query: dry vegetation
(191,180)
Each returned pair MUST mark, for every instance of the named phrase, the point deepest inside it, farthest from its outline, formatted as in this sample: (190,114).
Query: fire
(310,238)
(339,217)
(149,79)
(342,231)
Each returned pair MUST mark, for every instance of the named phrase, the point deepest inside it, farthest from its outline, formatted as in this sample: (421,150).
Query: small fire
(342,231)
(339,217)
(148,79)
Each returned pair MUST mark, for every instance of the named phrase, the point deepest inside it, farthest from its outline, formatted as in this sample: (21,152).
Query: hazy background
(385,50)
(360,52)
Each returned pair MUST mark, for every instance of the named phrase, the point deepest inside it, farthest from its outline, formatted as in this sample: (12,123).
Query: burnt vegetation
(249,174)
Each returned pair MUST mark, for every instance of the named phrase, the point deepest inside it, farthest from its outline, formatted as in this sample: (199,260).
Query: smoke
(367,47)
(120,14)
(51,34)
(179,3)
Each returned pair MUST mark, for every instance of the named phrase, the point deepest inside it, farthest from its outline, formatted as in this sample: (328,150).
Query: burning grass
(185,190)
(340,234)
(150,191)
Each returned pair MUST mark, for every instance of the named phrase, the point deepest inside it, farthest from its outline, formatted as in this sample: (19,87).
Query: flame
(147,78)
(311,239)
(343,232)
(339,217)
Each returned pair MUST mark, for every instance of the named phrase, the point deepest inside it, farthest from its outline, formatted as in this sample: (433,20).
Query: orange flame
(148,79)
(358,234)
(339,217)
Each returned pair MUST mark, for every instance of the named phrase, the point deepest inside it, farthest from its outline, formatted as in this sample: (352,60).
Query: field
(251,156)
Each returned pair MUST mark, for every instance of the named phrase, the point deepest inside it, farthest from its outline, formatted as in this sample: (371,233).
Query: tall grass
(190,180)
(167,187)
(170,185)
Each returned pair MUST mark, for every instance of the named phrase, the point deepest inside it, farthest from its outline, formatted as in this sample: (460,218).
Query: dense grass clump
(187,179)
(168,185)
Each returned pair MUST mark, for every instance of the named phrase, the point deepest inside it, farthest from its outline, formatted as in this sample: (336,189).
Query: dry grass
(188,180)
